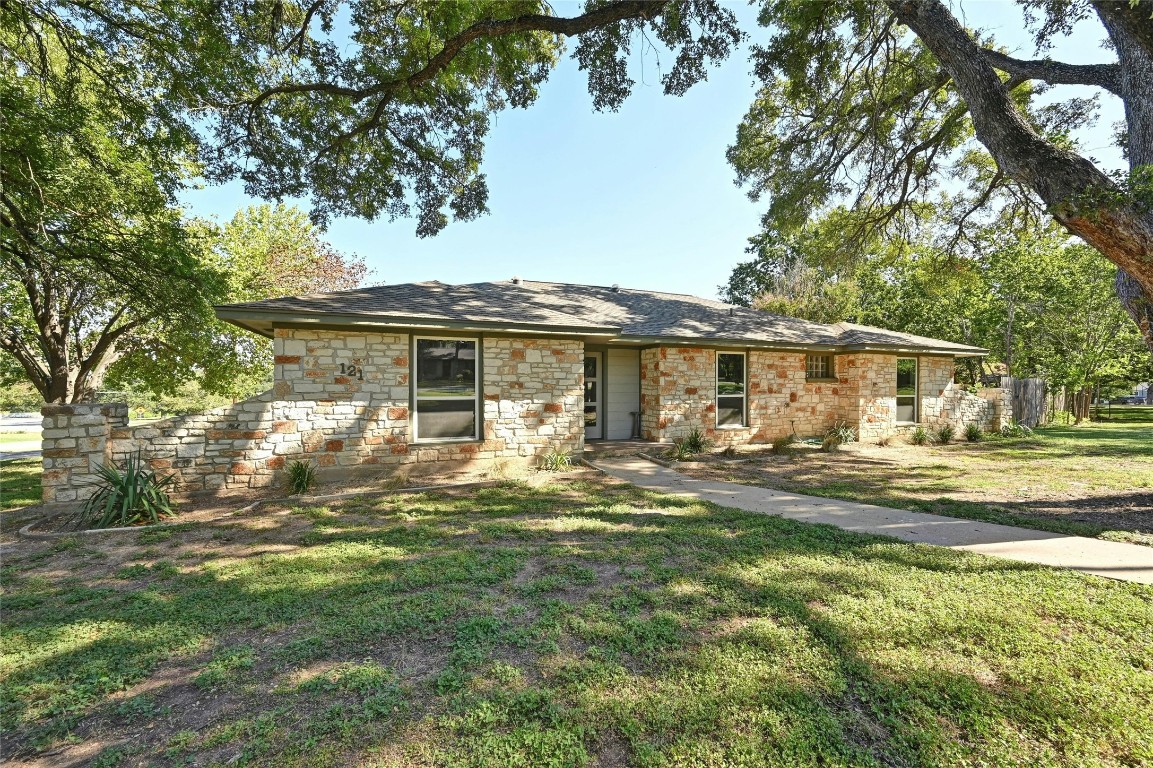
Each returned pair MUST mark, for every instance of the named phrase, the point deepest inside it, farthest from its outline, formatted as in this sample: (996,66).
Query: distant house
(425,373)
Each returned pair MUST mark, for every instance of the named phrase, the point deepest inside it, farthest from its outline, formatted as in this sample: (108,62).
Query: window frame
(916,396)
(415,398)
(831,373)
(744,391)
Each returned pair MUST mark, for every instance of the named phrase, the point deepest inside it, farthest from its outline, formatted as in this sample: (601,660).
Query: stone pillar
(75,441)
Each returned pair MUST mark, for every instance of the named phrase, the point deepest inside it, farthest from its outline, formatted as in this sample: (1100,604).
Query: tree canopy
(379,107)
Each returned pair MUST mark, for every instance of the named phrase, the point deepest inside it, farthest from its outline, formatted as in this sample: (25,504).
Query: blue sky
(642,197)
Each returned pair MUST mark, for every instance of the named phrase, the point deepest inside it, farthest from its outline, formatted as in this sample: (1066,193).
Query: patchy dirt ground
(1095,481)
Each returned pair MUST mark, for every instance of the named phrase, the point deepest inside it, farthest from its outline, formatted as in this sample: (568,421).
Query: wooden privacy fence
(1030,405)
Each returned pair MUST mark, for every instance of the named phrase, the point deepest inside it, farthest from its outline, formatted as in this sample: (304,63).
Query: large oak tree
(374,107)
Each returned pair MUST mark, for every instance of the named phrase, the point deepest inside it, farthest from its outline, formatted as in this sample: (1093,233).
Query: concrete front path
(1127,562)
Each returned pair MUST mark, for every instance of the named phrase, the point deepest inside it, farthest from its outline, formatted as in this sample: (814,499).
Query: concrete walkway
(1114,560)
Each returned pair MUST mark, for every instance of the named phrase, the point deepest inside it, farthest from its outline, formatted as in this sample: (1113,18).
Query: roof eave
(263,322)
(916,350)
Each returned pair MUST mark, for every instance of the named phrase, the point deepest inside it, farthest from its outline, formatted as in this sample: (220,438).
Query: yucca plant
(696,442)
(556,461)
(945,433)
(920,436)
(680,452)
(973,432)
(135,495)
(1015,429)
(301,476)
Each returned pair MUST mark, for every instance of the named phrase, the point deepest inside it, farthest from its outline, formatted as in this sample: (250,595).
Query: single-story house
(425,373)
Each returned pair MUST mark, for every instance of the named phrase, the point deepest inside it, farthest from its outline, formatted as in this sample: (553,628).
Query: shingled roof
(626,315)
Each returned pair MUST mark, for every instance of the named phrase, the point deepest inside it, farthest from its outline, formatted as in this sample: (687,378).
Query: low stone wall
(74,442)
(945,402)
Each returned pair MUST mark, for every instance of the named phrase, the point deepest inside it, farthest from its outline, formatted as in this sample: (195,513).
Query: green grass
(567,625)
(1094,479)
(7,438)
(19,483)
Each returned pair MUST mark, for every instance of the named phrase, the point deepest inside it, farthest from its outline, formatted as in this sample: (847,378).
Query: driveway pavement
(1114,560)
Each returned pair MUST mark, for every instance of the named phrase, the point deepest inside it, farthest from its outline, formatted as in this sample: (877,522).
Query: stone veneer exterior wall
(678,390)
(532,402)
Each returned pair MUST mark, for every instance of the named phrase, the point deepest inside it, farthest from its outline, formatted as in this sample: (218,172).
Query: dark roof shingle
(629,313)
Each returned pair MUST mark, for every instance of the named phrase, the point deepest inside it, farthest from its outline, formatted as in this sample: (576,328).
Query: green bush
(556,461)
(945,433)
(301,476)
(680,452)
(1015,429)
(135,495)
(973,432)
(696,442)
(920,436)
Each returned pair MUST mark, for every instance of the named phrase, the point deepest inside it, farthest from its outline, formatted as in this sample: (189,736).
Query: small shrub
(1015,429)
(973,432)
(696,442)
(783,445)
(920,436)
(841,433)
(680,452)
(301,476)
(132,496)
(945,433)
(556,461)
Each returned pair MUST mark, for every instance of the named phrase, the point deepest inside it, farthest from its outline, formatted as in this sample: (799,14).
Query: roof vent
(616,288)
(516,280)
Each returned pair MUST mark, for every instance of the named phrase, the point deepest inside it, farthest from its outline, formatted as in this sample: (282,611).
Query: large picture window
(906,390)
(447,392)
(730,389)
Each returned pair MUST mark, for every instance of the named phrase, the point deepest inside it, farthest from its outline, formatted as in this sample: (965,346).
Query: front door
(594,421)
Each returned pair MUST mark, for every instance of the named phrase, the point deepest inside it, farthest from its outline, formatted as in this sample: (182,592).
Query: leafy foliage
(837,435)
(1013,428)
(945,434)
(136,495)
(696,442)
(973,432)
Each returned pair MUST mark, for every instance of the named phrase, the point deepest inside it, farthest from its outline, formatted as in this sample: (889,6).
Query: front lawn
(1094,479)
(19,483)
(581,624)
(7,438)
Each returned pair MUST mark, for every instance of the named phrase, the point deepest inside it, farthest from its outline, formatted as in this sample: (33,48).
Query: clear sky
(643,197)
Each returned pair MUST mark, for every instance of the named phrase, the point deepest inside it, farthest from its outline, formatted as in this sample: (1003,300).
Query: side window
(730,389)
(907,390)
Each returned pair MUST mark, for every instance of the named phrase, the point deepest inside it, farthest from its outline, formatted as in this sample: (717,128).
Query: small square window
(819,367)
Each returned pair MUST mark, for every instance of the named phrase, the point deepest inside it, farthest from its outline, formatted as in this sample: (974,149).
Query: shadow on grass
(719,634)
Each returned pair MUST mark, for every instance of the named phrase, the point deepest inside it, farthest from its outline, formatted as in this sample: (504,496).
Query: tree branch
(1107,76)
(601,17)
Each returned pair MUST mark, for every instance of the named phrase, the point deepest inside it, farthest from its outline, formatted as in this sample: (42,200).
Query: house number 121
(352,370)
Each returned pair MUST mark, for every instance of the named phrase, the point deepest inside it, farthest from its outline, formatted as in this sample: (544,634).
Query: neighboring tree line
(1041,302)
(381,108)
(72,327)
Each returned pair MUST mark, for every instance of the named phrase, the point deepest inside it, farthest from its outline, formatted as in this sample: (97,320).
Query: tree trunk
(1082,198)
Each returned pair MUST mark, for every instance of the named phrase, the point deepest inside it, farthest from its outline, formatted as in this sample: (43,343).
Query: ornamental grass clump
(945,433)
(135,495)
(301,476)
(920,436)
(973,432)
(556,461)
